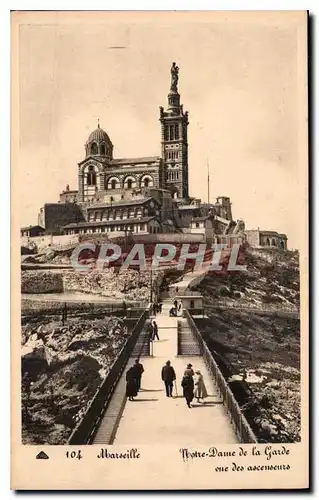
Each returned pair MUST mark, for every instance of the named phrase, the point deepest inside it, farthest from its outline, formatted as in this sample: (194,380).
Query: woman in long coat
(200,391)
(131,386)
(188,388)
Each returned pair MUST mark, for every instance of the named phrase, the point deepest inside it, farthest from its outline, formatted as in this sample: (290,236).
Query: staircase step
(187,344)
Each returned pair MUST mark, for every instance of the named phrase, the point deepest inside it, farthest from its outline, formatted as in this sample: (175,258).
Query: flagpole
(208,193)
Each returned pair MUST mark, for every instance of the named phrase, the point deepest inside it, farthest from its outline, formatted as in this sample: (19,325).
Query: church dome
(99,144)
(99,135)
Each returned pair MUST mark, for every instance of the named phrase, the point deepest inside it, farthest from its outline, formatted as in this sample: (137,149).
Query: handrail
(147,340)
(243,428)
(85,430)
(178,337)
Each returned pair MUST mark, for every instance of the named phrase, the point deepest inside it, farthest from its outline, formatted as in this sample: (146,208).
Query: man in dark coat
(188,388)
(150,331)
(131,390)
(139,369)
(155,330)
(168,377)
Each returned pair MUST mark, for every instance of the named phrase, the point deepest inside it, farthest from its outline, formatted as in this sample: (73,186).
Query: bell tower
(174,123)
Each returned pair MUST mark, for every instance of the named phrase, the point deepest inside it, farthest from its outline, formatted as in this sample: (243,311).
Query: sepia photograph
(161,192)
(96,339)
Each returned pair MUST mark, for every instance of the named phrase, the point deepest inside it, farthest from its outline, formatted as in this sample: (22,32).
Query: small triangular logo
(42,455)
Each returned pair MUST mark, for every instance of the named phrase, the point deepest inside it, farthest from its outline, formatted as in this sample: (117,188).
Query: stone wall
(41,282)
(58,241)
(50,240)
(270,239)
(169,238)
(253,237)
(256,238)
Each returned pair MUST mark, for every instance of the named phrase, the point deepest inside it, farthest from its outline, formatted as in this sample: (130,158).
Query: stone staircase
(186,342)
(142,346)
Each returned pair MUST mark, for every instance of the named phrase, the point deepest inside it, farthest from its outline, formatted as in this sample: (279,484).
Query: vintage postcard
(159,250)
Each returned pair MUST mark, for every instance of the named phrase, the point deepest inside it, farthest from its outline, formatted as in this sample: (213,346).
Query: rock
(235,378)
(79,356)
(34,362)
(27,250)
(268,427)
(274,384)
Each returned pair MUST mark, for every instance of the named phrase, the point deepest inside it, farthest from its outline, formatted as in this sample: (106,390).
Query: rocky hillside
(258,349)
(272,277)
(62,368)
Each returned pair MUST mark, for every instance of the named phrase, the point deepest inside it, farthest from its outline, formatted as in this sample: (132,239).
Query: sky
(240,80)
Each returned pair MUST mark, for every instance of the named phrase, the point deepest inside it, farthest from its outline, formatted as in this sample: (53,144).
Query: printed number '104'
(74,454)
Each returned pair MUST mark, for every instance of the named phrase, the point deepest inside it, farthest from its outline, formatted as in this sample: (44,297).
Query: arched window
(146,181)
(94,148)
(102,149)
(91,177)
(268,242)
(171,132)
(176,131)
(113,183)
(273,242)
(166,133)
(282,245)
(129,182)
(192,304)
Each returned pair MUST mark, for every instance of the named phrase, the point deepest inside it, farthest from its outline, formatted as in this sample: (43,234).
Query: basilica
(143,195)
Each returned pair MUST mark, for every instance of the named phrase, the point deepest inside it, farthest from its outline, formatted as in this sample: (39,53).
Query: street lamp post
(151,285)
(125,239)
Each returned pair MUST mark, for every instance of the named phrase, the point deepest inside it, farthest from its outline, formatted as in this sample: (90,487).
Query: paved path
(188,278)
(155,419)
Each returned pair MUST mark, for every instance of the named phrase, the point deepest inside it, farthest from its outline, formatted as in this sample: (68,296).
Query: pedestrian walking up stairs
(187,345)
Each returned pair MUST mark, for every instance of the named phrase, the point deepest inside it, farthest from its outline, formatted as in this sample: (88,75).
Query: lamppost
(125,239)
(151,285)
